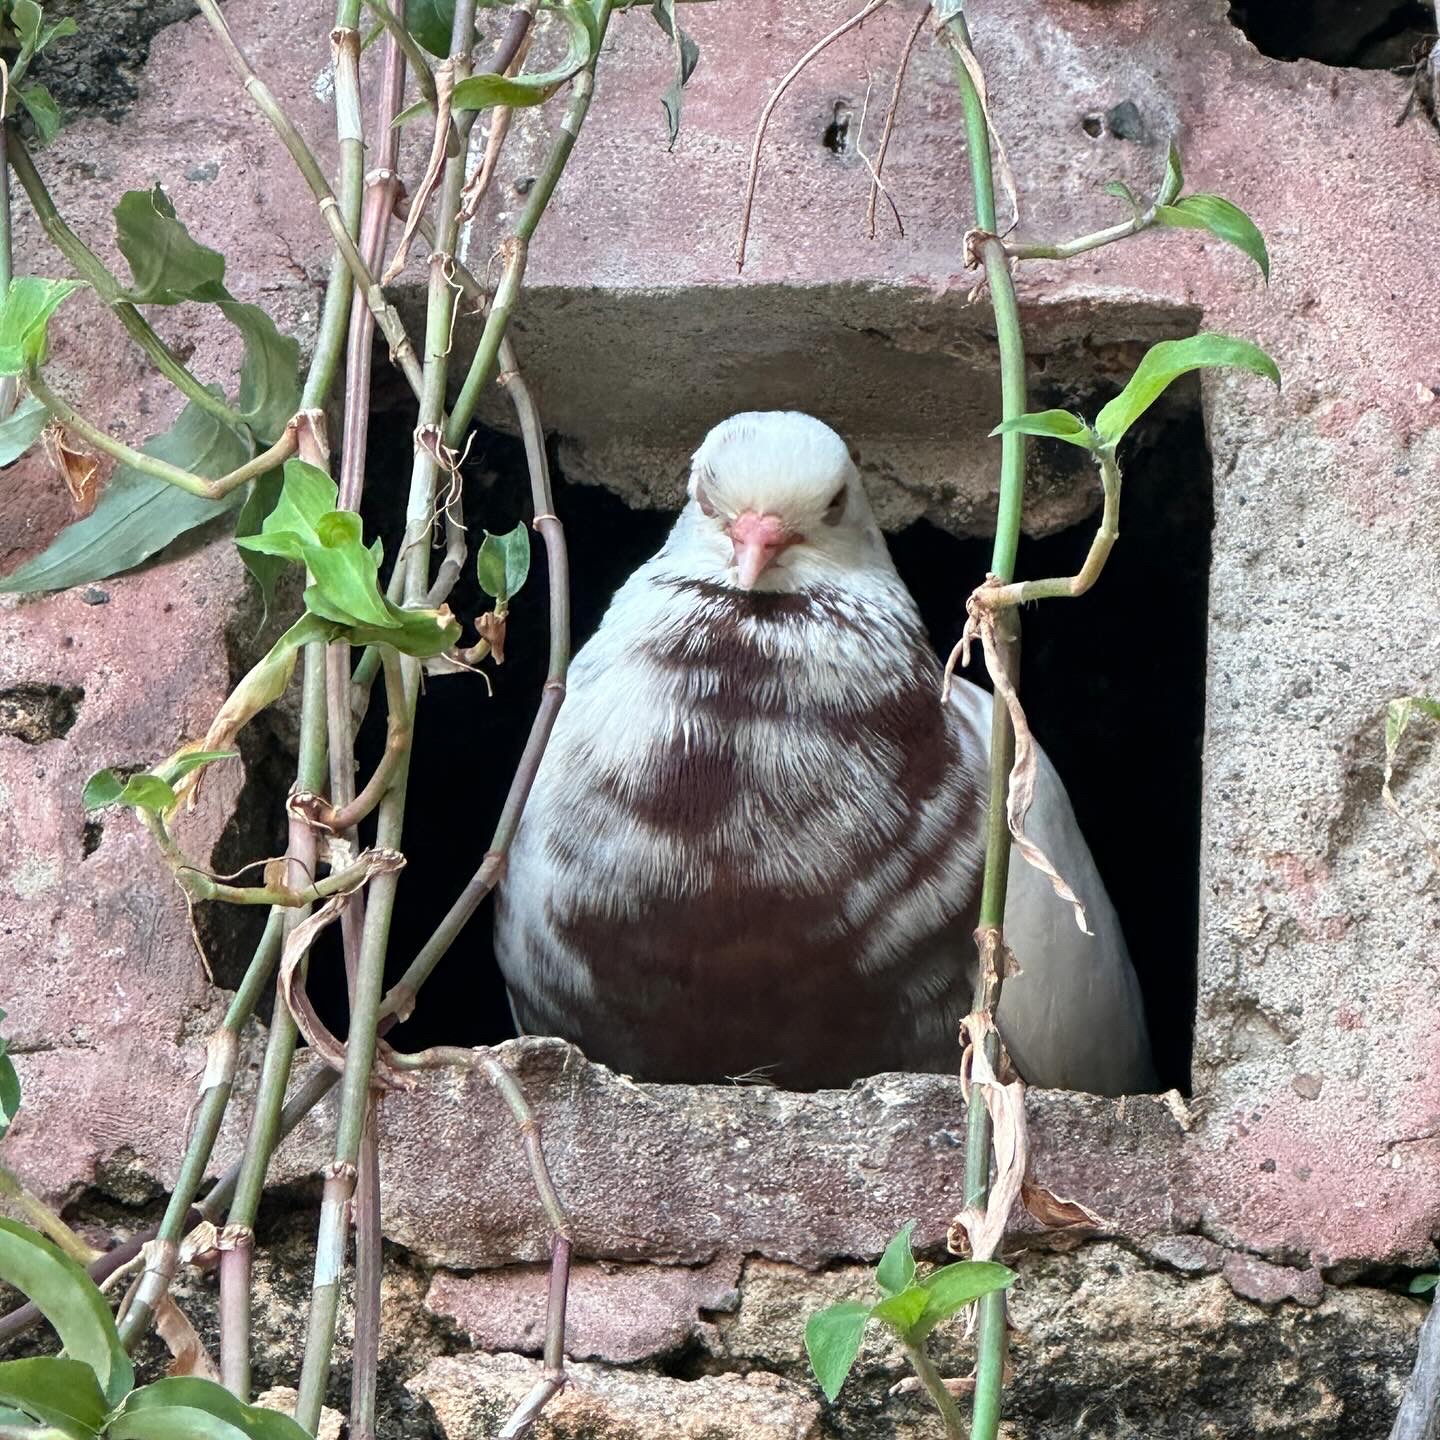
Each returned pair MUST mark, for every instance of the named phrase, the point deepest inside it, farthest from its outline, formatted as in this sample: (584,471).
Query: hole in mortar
(837,133)
(1114,686)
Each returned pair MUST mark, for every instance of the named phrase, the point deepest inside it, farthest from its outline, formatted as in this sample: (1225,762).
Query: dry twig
(871,7)
(888,128)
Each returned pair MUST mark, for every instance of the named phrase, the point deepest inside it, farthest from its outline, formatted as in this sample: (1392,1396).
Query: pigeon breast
(753,847)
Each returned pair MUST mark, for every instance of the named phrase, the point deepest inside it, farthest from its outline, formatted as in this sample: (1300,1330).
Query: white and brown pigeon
(754,846)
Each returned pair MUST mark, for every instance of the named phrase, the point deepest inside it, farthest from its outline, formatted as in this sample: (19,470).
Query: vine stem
(343,215)
(215,1087)
(341,229)
(516,246)
(355,1099)
(552,1379)
(8,387)
(401,999)
(216,489)
(944,1402)
(990,1341)
(112,294)
(382,185)
(1068,249)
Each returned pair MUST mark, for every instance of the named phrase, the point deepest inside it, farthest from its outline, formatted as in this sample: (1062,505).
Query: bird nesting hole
(1363,34)
(1114,685)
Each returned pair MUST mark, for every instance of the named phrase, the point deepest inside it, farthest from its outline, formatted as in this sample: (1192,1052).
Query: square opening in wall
(1113,684)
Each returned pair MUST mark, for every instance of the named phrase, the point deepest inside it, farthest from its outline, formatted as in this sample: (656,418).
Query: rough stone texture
(617,1313)
(682,1173)
(1311,1146)
(473,1395)
(1107,1346)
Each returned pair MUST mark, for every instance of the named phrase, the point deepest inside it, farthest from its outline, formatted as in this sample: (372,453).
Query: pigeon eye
(836,508)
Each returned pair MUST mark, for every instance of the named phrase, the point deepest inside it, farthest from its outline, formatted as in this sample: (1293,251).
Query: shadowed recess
(1363,34)
(1114,685)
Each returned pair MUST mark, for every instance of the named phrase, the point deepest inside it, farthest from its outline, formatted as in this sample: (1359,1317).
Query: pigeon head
(776,504)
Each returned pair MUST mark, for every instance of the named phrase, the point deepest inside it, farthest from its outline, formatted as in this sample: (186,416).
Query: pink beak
(757,539)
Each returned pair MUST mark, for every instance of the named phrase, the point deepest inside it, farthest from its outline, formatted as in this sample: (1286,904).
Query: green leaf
(1397,720)
(902,1311)
(1056,424)
(9,1086)
(1422,1284)
(306,494)
(43,110)
(170,266)
(430,22)
(953,1287)
(140,792)
(346,574)
(484,92)
(1226,221)
(167,263)
(421,633)
(212,1411)
(25,16)
(58,31)
(1174,180)
(269,370)
(24,315)
(832,1341)
(68,1299)
(261,498)
(687,57)
(503,564)
(193,760)
(897,1265)
(1121,191)
(1166,362)
(139,514)
(22,429)
(63,1394)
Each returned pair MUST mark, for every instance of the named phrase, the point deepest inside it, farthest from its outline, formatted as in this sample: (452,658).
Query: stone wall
(1251,1231)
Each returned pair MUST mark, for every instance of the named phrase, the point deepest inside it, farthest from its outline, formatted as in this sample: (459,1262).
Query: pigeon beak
(757,539)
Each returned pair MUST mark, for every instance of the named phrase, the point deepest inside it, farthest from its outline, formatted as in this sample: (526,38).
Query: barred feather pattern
(754,845)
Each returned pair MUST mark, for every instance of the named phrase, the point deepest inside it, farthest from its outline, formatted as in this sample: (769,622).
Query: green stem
(215,489)
(41,1217)
(929,1377)
(7,383)
(335,317)
(93,270)
(340,1181)
(516,247)
(386,316)
(265,1120)
(1065,587)
(214,1097)
(990,1345)
(1068,249)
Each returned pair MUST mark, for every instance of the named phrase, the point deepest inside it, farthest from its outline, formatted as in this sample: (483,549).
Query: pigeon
(754,847)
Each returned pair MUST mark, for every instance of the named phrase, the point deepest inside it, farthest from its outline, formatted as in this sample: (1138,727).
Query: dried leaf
(79,469)
(444,89)
(188,1355)
(297,945)
(1055,1212)
(1021,792)
(977,1231)
(491,629)
(292,988)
